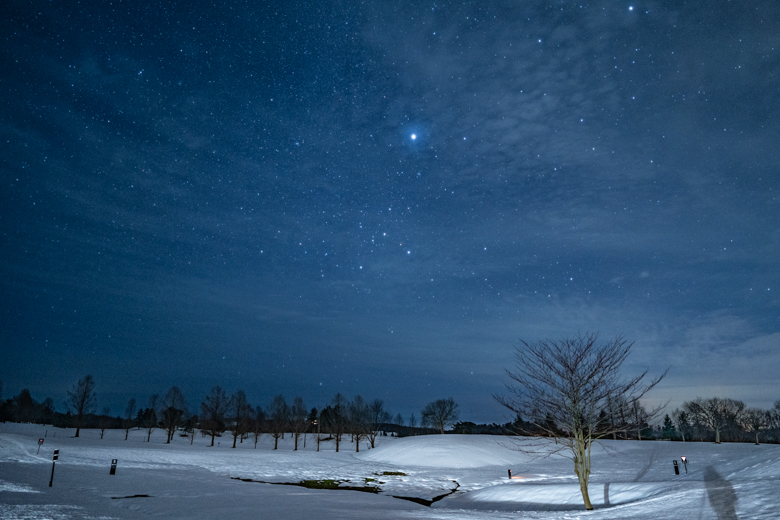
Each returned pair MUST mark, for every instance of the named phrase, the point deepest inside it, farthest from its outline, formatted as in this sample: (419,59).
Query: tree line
(220,413)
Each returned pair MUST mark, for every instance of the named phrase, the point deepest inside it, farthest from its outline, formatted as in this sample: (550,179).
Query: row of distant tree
(712,419)
(220,413)
(717,419)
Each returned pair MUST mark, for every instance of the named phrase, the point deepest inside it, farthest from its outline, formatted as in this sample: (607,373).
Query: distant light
(414,136)
(630,7)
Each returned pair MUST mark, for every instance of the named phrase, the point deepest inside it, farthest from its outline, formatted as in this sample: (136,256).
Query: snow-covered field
(460,476)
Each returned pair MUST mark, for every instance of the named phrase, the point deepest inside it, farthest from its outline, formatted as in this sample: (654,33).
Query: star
(414,137)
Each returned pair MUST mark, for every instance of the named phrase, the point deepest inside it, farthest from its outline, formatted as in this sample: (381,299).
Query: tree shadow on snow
(721,495)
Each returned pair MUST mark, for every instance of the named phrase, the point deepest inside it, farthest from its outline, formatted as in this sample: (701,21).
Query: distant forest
(219,414)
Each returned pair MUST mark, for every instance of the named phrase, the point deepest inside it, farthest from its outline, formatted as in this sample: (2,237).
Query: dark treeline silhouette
(360,421)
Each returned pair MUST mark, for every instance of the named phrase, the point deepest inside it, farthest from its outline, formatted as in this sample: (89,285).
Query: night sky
(382,197)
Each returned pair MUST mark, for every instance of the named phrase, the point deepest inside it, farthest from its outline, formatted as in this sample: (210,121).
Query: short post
(676,467)
(113,467)
(53,462)
(40,441)
(510,473)
(685,463)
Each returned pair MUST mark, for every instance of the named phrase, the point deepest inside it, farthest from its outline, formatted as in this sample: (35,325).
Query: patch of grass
(370,480)
(396,473)
(321,484)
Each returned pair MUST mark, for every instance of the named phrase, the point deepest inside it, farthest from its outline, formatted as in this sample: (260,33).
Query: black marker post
(53,462)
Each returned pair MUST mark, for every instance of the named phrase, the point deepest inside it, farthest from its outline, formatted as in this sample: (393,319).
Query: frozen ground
(466,475)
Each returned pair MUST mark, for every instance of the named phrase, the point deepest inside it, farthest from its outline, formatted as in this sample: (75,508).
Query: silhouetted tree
(189,427)
(48,410)
(715,413)
(104,421)
(298,422)
(213,408)
(240,416)
(258,423)
(81,400)
(127,422)
(150,417)
(25,407)
(359,420)
(377,416)
(174,409)
(668,431)
(683,424)
(440,413)
(279,415)
(562,386)
(339,418)
(753,420)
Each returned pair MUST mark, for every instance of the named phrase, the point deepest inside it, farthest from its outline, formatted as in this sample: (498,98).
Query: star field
(381,198)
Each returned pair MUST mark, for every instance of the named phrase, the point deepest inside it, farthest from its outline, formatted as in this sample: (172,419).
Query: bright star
(414,136)
(630,7)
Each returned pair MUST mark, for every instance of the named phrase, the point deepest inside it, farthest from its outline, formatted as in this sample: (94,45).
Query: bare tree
(298,422)
(25,407)
(105,420)
(639,418)
(213,408)
(359,420)
(412,423)
(173,410)
(338,417)
(48,410)
(127,422)
(240,416)
(258,424)
(683,425)
(560,389)
(715,413)
(150,417)
(81,400)
(189,427)
(377,416)
(279,415)
(440,413)
(753,420)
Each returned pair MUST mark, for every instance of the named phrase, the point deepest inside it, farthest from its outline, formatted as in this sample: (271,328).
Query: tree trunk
(717,435)
(585,496)
(212,439)
(234,441)
(582,469)
(756,437)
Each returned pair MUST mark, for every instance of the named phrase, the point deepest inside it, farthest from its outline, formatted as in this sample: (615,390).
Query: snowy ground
(630,479)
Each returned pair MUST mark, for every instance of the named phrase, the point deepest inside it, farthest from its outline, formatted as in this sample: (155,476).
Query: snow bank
(448,451)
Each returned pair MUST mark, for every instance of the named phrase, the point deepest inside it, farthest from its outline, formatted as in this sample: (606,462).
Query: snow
(465,474)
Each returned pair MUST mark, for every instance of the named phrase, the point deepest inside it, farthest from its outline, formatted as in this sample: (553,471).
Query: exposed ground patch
(425,501)
(317,484)
(338,484)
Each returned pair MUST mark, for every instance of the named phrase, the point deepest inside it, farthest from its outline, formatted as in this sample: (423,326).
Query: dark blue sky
(383,197)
